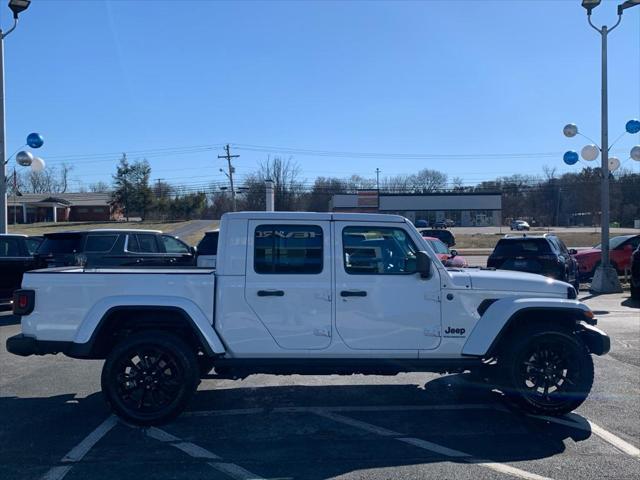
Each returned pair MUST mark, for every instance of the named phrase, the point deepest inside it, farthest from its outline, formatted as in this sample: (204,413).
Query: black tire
(150,377)
(546,370)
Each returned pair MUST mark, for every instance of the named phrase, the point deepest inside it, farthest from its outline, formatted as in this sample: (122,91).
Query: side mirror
(423,264)
(453,252)
(193,250)
(572,251)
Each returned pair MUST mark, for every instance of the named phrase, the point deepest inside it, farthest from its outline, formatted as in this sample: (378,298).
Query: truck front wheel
(546,371)
(150,377)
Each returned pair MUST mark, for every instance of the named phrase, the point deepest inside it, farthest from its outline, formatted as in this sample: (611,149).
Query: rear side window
(209,244)
(142,243)
(532,246)
(9,247)
(288,249)
(61,244)
(100,243)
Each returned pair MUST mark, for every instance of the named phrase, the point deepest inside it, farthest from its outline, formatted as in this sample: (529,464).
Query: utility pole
(16,7)
(378,179)
(228,156)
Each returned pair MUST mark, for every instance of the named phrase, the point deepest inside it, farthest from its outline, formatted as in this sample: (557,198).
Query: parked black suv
(114,248)
(635,274)
(546,255)
(16,257)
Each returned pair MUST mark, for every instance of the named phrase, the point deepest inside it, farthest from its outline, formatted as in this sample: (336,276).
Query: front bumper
(597,341)
(25,346)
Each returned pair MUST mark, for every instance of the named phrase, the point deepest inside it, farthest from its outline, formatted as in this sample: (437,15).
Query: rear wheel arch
(118,323)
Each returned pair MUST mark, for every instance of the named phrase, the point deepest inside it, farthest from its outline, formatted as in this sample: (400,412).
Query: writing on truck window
(288,249)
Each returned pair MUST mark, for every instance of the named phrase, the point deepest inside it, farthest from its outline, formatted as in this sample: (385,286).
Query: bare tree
(427,180)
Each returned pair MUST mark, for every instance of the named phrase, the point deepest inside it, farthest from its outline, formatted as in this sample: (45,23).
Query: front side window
(173,245)
(378,251)
(288,249)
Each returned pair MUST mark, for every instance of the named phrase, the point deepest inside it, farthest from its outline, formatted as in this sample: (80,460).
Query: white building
(465,209)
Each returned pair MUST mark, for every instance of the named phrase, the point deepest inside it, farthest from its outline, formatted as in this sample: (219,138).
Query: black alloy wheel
(149,378)
(547,372)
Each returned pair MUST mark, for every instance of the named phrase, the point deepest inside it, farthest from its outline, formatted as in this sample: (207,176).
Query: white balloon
(38,164)
(614,164)
(570,130)
(24,158)
(590,152)
(635,153)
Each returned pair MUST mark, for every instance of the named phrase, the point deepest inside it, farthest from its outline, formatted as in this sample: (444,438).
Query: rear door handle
(353,293)
(271,293)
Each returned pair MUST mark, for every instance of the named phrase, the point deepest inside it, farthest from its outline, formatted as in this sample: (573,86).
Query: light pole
(605,278)
(16,7)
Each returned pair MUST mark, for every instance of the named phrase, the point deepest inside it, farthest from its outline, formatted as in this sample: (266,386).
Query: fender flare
(201,325)
(501,313)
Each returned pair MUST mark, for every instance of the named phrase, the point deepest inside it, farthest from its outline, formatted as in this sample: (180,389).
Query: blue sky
(432,77)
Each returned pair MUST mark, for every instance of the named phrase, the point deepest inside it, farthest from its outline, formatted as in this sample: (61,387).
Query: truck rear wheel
(150,377)
(546,371)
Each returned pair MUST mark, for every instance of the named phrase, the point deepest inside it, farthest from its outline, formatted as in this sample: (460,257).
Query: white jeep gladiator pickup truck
(311,293)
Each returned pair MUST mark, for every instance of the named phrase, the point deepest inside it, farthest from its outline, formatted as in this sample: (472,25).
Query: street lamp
(16,6)
(605,278)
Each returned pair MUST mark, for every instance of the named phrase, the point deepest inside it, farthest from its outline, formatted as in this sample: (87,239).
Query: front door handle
(271,293)
(353,293)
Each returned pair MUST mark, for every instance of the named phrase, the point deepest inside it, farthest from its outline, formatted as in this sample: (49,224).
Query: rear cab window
(288,249)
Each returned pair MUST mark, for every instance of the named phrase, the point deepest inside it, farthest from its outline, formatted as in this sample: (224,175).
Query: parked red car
(621,249)
(449,258)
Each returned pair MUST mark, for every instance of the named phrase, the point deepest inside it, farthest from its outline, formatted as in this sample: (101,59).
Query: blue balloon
(633,126)
(35,140)
(570,157)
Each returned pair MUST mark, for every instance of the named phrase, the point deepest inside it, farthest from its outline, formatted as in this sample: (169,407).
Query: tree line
(546,199)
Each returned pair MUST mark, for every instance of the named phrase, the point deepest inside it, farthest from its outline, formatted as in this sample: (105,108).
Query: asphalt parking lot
(55,425)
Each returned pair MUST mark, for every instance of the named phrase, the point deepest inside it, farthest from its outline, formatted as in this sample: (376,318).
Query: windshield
(439,247)
(614,242)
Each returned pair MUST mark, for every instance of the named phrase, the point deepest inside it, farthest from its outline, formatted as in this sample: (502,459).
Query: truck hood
(507,280)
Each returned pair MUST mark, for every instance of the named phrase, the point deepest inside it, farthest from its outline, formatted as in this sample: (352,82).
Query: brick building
(61,207)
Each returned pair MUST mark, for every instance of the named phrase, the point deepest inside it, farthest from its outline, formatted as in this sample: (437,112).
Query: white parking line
(234,471)
(434,447)
(196,451)
(358,424)
(345,408)
(78,452)
(587,425)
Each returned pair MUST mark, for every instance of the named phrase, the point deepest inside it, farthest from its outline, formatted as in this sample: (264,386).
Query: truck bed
(82,297)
